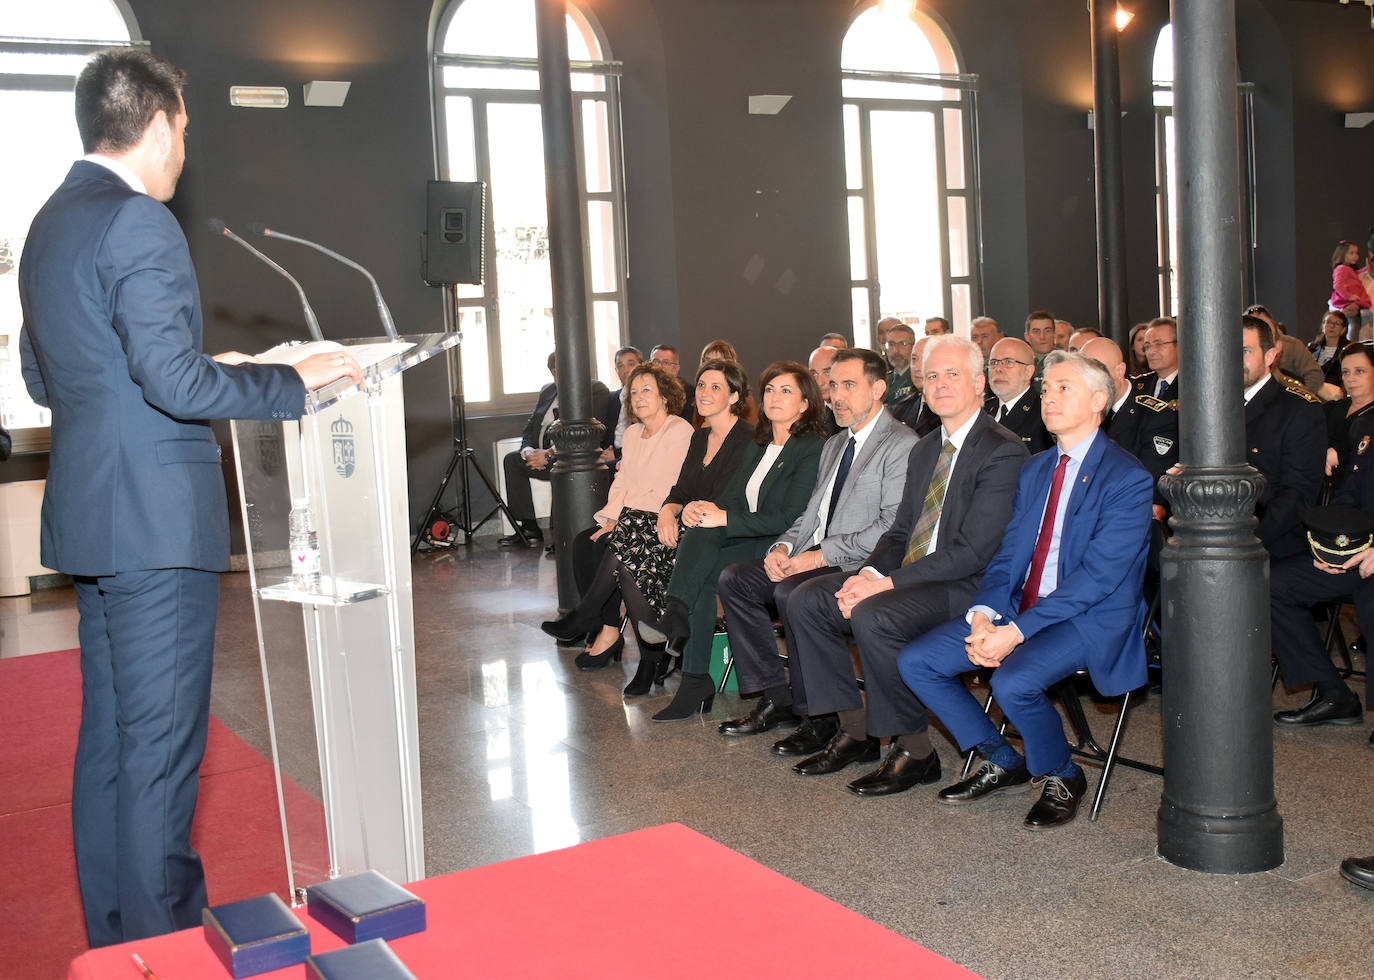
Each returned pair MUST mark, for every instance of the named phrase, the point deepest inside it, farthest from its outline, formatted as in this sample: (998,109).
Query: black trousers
(1294,586)
(881,625)
(519,498)
(751,600)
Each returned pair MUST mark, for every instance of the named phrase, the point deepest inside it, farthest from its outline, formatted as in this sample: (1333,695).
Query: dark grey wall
(709,186)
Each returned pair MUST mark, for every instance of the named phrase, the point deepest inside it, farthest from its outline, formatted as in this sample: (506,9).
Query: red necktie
(1030,594)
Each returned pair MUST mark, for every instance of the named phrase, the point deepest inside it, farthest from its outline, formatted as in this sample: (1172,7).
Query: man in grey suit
(862,475)
(961,483)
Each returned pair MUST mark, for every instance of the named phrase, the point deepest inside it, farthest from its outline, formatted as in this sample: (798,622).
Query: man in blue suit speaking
(1061,595)
(135,507)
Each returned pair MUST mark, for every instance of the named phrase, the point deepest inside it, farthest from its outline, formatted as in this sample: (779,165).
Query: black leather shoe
(766,716)
(1058,803)
(989,778)
(693,696)
(569,629)
(840,751)
(586,660)
(1359,871)
(646,674)
(809,738)
(899,772)
(1323,711)
(533,538)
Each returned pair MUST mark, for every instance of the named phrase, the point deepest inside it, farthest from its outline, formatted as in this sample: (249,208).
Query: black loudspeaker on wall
(451,249)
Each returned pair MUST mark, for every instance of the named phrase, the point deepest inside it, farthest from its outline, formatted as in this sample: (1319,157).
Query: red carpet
(580,912)
(237,829)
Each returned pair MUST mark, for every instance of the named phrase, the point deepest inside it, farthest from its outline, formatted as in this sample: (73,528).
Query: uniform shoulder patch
(1296,388)
(1152,403)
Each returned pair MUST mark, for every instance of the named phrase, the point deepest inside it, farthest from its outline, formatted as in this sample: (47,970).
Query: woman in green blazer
(768,492)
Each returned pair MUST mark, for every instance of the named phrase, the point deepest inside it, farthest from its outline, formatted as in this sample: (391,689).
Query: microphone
(219,228)
(258,228)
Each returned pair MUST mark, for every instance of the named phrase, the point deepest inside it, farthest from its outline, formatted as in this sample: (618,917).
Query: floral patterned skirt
(635,544)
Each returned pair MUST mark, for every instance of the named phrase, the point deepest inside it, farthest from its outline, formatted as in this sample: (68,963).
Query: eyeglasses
(1152,344)
(1007,362)
(898,343)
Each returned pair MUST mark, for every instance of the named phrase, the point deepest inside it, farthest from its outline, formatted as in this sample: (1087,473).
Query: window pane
(858,258)
(605,341)
(50,146)
(98,20)
(954,149)
(596,145)
(961,314)
(863,331)
(520,219)
(29,63)
(471,290)
(462,152)
(601,246)
(472,323)
(958,237)
(853,161)
(906,201)
(506,27)
(499,78)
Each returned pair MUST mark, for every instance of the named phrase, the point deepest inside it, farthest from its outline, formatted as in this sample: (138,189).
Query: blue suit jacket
(1102,552)
(112,344)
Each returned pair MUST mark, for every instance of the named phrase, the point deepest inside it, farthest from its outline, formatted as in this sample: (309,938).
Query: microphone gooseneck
(388,324)
(219,228)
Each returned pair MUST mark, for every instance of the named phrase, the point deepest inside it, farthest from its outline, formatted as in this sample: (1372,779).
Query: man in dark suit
(901,343)
(1062,594)
(959,488)
(614,417)
(1013,400)
(534,459)
(134,509)
(1153,406)
(862,476)
(1285,439)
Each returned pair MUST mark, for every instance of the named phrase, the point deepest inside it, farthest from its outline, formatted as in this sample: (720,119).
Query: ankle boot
(694,695)
(675,624)
(646,674)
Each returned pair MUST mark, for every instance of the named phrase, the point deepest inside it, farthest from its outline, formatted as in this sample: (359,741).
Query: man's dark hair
(1262,328)
(875,368)
(940,320)
(1165,321)
(117,95)
(1038,315)
(629,350)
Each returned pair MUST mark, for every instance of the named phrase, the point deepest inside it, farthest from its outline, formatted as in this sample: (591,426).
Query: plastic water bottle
(304,546)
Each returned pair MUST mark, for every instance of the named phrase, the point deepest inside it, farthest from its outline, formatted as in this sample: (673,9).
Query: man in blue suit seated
(1061,595)
(134,508)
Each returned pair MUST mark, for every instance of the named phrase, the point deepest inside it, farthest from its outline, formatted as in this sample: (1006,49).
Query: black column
(578,479)
(1218,812)
(1113,315)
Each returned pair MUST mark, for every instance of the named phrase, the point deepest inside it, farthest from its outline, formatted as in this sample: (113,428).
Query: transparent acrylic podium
(338,663)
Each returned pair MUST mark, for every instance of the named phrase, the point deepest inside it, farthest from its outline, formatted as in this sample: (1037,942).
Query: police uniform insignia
(1342,540)
(1364,444)
(1152,403)
(1163,445)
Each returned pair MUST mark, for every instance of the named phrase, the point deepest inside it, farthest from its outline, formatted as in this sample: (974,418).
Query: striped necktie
(930,509)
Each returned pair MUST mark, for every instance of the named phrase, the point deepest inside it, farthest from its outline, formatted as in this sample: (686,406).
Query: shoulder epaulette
(1154,404)
(1296,388)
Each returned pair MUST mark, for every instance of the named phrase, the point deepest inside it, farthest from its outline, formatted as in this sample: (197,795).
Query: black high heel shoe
(651,657)
(667,667)
(694,696)
(571,628)
(586,660)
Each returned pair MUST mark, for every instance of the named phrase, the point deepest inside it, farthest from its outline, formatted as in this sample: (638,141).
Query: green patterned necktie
(930,510)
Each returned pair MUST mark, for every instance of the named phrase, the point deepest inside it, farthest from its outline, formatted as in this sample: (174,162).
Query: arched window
(43,47)
(1166,169)
(487,91)
(910,126)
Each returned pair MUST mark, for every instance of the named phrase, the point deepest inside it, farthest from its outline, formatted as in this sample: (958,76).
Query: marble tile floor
(521,753)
